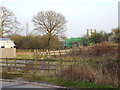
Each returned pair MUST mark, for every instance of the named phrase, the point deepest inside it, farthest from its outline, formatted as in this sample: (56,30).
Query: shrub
(97,50)
(104,49)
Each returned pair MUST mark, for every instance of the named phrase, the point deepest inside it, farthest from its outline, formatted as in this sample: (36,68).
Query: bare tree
(8,22)
(49,23)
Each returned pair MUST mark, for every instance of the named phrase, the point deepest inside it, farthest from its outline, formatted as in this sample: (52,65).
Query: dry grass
(104,72)
(98,64)
(104,49)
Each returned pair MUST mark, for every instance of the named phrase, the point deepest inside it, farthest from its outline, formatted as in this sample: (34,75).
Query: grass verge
(53,80)
(62,82)
(11,75)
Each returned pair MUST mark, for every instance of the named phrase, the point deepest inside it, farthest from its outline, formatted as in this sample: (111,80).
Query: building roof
(5,39)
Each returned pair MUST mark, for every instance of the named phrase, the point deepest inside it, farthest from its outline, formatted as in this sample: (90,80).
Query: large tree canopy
(49,23)
(8,22)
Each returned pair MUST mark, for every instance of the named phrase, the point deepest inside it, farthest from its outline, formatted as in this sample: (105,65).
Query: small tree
(50,23)
(85,41)
(8,22)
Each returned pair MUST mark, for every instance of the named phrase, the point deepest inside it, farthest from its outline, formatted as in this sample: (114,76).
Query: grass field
(29,56)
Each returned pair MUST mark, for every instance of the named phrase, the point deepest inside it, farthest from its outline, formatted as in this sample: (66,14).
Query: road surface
(23,84)
(6,84)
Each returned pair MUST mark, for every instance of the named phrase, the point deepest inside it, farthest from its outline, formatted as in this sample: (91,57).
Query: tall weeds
(97,63)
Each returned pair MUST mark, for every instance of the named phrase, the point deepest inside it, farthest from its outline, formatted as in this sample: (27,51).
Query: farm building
(7,48)
(73,42)
(6,43)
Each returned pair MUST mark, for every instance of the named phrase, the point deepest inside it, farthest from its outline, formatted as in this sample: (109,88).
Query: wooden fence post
(59,52)
(36,66)
(47,53)
(54,52)
(65,51)
(41,54)
(61,64)
(15,63)
(48,66)
(7,63)
(61,61)
(34,53)
(26,64)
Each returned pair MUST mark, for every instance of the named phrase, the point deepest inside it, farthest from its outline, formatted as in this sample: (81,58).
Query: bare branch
(49,23)
(8,22)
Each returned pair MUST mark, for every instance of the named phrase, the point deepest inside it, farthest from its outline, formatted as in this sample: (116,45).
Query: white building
(6,43)
(90,31)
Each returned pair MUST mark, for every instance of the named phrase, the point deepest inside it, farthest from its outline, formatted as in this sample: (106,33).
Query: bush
(97,63)
(104,49)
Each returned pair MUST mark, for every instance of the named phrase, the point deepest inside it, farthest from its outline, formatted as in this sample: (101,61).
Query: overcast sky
(80,14)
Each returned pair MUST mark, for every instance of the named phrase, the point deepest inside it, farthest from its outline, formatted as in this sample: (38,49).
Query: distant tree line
(35,42)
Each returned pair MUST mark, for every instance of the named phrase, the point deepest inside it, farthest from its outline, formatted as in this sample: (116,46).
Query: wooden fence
(42,54)
(34,65)
(42,61)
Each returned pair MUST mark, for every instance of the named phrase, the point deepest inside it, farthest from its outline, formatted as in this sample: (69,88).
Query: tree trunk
(1,33)
(49,41)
